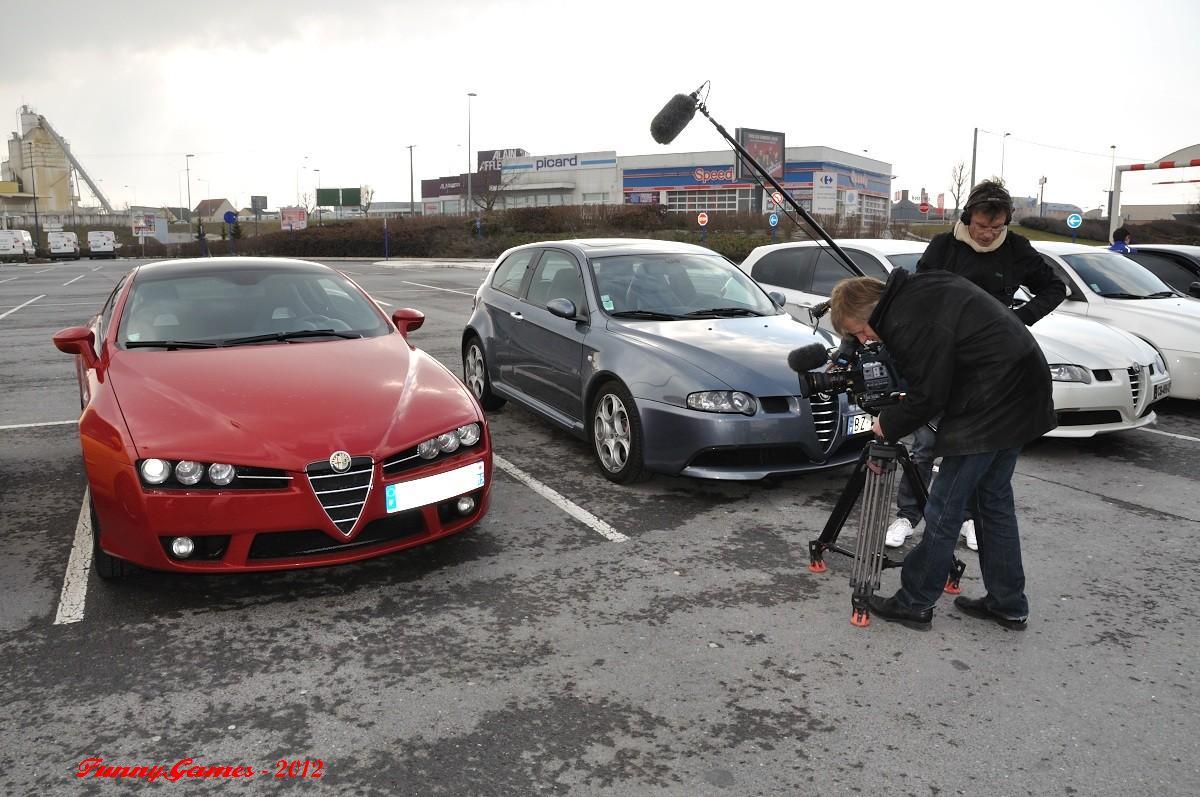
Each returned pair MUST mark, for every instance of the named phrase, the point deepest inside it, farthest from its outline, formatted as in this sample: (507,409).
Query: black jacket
(966,357)
(1014,263)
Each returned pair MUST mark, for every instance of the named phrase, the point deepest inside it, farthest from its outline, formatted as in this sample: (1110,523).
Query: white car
(1109,287)
(1105,380)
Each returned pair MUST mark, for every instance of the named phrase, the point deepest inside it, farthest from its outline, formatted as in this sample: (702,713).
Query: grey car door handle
(517,315)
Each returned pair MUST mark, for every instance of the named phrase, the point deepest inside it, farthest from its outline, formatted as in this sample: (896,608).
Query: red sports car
(245,414)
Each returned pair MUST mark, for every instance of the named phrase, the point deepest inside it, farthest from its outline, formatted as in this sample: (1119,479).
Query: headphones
(988,192)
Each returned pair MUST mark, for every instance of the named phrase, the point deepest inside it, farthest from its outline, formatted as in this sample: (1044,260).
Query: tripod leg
(837,518)
(880,483)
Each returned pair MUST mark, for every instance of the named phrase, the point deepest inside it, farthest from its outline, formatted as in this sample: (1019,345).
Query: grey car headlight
(1070,373)
(723,401)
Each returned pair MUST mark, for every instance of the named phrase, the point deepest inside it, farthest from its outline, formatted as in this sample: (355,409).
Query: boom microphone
(806,358)
(674,116)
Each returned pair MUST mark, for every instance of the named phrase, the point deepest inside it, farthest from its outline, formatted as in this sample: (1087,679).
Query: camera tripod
(875,472)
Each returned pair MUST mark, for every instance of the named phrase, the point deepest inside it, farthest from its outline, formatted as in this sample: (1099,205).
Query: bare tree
(958,184)
(308,203)
(367,194)
(487,193)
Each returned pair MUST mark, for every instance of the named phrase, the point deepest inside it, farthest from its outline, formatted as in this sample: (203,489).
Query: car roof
(199,266)
(879,246)
(602,247)
(1185,248)
(1064,248)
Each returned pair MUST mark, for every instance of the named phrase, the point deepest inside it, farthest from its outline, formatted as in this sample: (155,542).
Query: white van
(16,245)
(64,245)
(102,243)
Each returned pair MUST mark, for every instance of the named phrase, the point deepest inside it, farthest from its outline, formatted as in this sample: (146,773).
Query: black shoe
(891,610)
(977,607)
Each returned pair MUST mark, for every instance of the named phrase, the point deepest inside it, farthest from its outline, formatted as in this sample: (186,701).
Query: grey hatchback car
(663,355)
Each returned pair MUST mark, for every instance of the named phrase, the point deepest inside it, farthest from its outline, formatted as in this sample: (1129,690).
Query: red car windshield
(219,306)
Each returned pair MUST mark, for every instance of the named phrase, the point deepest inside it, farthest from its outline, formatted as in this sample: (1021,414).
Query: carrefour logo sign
(705,176)
(556,163)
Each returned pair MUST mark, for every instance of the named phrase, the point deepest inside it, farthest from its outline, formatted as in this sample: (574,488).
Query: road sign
(230,217)
(773,219)
(1074,221)
(923,207)
(777,198)
(702,219)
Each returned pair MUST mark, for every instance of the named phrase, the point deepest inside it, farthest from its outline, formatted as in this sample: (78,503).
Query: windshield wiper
(1161,295)
(719,312)
(296,333)
(647,314)
(170,344)
(1119,295)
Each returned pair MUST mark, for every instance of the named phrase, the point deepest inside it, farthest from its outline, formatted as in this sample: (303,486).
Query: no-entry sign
(702,219)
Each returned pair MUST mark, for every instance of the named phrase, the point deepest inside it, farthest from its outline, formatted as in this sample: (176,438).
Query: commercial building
(843,183)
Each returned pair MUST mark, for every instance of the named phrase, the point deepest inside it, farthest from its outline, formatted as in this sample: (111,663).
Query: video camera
(865,372)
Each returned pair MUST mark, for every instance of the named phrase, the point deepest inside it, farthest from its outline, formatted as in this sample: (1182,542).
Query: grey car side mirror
(563,308)
(779,299)
(1194,289)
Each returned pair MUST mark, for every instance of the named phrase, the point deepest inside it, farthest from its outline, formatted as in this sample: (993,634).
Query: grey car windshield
(220,306)
(677,285)
(1114,276)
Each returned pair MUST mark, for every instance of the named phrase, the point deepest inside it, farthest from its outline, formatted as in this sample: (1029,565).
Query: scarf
(962,234)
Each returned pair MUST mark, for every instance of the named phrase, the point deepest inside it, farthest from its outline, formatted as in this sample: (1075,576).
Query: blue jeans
(921,453)
(981,483)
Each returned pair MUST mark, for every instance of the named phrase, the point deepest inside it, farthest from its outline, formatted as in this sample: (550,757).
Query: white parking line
(19,306)
(74,279)
(32,425)
(1172,434)
(571,508)
(43,271)
(10,279)
(74,591)
(436,288)
(97,268)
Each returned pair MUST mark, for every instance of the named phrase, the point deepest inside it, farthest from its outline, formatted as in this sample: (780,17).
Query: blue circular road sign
(230,217)
(773,219)
(1074,221)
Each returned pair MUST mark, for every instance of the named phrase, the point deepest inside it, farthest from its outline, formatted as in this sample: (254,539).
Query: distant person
(1121,240)
(982,248)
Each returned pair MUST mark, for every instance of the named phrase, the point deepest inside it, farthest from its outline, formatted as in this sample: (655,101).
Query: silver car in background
(663,355)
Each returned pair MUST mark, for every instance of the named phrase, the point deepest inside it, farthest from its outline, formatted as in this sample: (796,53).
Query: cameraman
(983,249)
(971,360)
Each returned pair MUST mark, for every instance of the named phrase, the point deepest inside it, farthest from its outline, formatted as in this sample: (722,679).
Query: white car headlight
(188,472)
(428,449)
(469,434)
(1160,367)
(723,401)
(156,471)
(221,474)
(1070,373)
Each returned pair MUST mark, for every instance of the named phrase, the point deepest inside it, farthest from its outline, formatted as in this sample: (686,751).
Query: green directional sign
(351,197)
(329,197)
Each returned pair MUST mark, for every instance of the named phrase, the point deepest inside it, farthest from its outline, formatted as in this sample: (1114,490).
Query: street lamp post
(37,225)
(187,159)
(467,208)
(1112,177)
(1003,141)
(1041,195)
(320,212)
(410,180)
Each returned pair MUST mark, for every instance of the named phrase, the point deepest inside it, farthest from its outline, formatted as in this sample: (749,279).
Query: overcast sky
(265,93)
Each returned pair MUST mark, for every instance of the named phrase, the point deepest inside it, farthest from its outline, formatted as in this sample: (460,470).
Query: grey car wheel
(617,434)
(475,375)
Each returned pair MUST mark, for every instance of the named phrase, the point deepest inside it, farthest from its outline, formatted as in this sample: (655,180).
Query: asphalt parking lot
(585,638)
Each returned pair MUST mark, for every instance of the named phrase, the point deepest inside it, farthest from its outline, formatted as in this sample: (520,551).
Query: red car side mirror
(78,340)
(407,319)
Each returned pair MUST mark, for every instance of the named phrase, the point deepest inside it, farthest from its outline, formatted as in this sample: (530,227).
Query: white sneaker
(968,531)
(898,532)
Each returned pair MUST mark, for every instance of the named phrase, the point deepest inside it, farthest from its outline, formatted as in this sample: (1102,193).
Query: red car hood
(286,405)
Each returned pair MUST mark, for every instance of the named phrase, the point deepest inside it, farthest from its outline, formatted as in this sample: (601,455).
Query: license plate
(419,492)
(1162,389)
(857,424)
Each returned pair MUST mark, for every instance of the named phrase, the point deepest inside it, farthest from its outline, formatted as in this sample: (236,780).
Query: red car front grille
(342,495)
